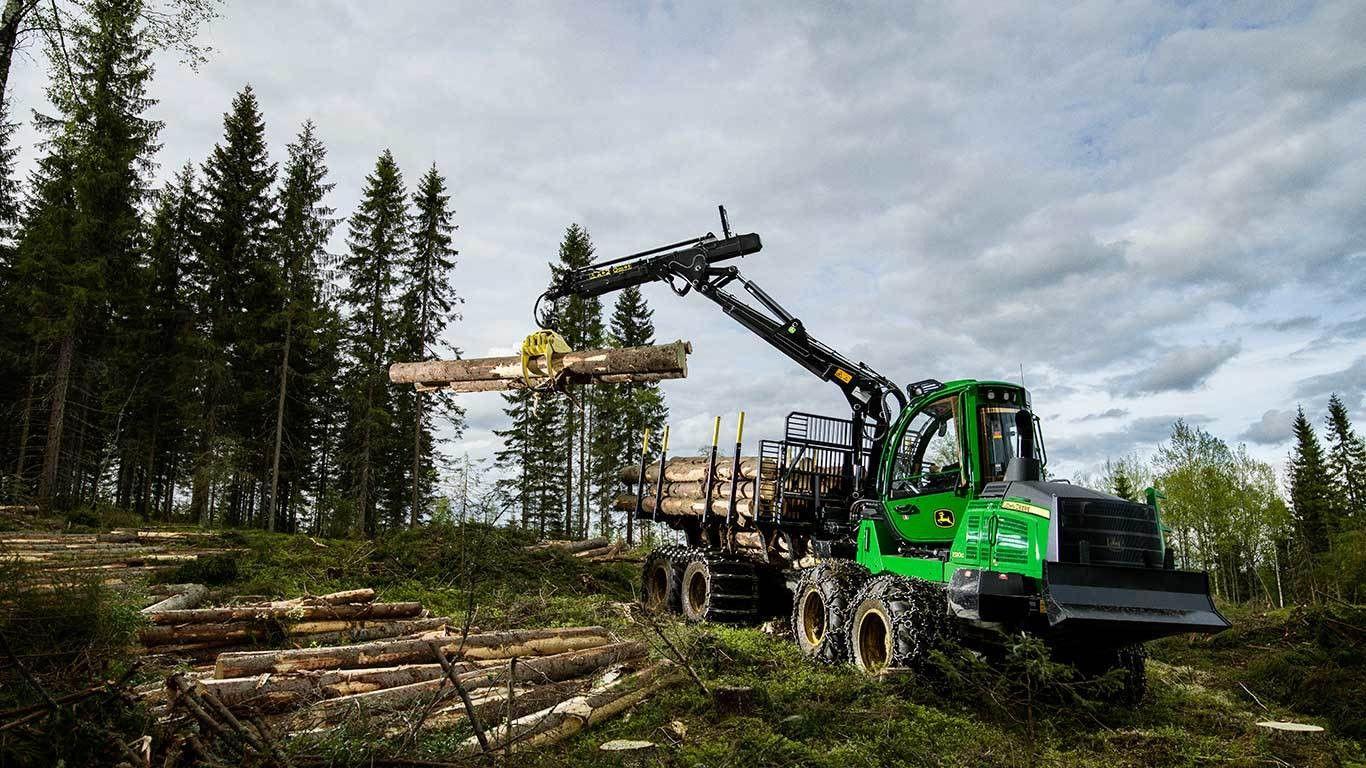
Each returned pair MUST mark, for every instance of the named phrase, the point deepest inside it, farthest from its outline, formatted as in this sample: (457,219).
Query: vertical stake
(640,488)
(659,486)
(710,485)
(734,480)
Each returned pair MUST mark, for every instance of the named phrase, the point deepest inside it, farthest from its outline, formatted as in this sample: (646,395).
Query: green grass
(969,711)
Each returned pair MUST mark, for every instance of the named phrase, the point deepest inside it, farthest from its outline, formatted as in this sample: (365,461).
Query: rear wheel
(716,588)
(822,607)
(661,578)
(1129,661)
(896,622)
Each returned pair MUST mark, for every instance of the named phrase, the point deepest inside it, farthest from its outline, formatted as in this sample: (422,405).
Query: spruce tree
(1310,486)
(1347,463)
(378,244)
(83,229)
(15,382)
(300,244)
(170,337)
(627,409)
(579,321)
(427,308)
(241,295)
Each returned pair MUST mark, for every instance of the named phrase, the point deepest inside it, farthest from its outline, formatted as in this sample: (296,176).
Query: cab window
(929,458)
(999,443)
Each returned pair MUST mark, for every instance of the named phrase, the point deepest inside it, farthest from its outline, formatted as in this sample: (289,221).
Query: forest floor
(1205,695)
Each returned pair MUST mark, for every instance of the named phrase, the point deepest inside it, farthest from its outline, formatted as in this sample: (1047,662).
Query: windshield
(1000,440)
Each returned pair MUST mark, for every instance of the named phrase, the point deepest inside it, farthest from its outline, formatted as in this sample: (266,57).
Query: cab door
(926,490)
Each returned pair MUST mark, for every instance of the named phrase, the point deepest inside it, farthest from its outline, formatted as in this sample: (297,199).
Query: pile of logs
(113,559)
(512,688)
(685,491)
(599,550)
(179,628)
(590,366)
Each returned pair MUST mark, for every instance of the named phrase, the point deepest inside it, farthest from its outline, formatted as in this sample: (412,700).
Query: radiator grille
(1104,532)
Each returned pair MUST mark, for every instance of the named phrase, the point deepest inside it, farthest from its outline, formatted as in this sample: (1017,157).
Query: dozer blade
(1118,605)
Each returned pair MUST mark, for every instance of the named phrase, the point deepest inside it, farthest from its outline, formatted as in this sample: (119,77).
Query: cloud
(1111,413)
(1273,428)
(1296,323)
(1348,381)
(1139,433)
(1178,370)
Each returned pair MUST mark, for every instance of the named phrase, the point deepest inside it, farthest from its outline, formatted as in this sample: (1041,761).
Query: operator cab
(952,440)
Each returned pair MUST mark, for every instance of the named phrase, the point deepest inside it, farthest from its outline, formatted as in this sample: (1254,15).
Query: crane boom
(693,265)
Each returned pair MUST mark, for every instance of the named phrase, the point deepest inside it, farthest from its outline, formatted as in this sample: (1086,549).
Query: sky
(1148,211)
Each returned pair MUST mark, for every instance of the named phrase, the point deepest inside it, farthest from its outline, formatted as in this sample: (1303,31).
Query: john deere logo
(943,518)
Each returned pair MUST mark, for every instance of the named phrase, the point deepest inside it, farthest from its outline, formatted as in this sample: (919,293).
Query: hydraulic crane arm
(692,265)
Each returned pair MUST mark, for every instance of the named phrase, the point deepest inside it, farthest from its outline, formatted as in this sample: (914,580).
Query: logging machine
(924,514)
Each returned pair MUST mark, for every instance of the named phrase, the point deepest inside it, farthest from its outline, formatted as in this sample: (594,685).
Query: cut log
(572,546)
(301,687)
(690,469)
(544,669)
(193,595)
(346,597)
(494,704)
(568,717)
(487,645)
(375,630)
(686,507)
(289,613)
(491,374)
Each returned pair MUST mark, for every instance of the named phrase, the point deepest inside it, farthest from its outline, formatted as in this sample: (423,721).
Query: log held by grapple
(589,366)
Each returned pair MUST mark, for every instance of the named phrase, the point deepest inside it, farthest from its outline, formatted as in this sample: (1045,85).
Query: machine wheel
(822,606)
(1130,660)
(661,578)
(897,621)
(718,588)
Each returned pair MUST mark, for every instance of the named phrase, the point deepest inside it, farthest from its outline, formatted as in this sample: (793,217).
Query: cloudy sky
(1153,210)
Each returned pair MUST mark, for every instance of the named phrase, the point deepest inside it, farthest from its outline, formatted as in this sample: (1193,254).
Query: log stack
(179,628)
(114,559)
(510,689)
(685,489)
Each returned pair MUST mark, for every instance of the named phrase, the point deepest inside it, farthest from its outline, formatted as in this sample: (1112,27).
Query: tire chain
(918,613)
(839,582)
(732,579)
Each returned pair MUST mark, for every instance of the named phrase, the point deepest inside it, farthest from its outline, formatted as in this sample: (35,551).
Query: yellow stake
(645,444)
(665,447)
(740,428)
(716,432)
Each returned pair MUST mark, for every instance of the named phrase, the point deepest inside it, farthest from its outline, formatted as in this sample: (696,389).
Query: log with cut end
(486,645)
(673,505)
(590,366)
(690,469)
(542,669)
(572,546)
(288,612)
(605,700)
(192,595)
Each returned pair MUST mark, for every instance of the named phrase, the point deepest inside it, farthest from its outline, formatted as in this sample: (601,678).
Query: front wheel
(897,622)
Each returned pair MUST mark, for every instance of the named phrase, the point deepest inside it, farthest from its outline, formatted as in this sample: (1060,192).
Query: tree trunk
(288,613)
(66,352)
(417,458)
(272,503)
(10,21)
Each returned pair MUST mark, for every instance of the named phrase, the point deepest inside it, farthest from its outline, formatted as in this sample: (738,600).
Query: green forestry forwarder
(926,513)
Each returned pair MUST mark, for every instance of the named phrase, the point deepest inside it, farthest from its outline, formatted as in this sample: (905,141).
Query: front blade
(1128,605)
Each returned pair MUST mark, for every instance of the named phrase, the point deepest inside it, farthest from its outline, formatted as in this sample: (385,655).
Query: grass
(1302,664)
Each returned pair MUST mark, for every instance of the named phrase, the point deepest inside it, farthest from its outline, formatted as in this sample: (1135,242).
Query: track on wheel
(661,577)
(897,621)
(718,587)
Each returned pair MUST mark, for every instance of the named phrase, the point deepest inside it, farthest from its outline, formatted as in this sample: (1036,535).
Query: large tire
(822,606)
(1131,661)
(719,588)
(896,622)
(661,578)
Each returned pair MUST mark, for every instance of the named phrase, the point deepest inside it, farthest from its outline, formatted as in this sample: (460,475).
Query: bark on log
(568,717)
(379,630)
(572,546)
(555,668)
(685,507)
(690,469)
(488,645)
(302,687)
(193,595)
(654,363)
(289,613)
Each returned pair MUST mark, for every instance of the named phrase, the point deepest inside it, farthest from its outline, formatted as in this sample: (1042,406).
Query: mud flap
(1128,604)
